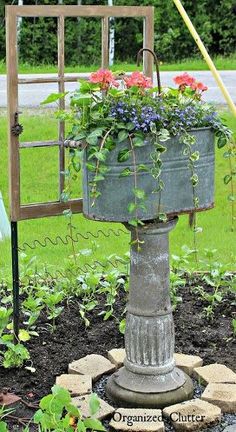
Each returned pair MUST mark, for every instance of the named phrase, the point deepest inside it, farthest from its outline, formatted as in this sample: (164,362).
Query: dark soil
(52,352)
(212,340)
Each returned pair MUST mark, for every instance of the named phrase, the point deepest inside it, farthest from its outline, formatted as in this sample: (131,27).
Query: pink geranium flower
(186,80)
(137,79)
(200,86)
(104,78)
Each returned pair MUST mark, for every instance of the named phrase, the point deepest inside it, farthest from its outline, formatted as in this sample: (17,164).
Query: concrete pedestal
(149,377)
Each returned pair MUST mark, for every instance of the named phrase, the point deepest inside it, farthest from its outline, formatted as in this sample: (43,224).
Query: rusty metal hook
(156,63)
(17,128)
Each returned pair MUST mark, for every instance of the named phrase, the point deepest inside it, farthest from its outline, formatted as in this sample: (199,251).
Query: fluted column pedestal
(149,377)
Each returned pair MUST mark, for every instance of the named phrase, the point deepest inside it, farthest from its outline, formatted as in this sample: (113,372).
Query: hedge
(214,20)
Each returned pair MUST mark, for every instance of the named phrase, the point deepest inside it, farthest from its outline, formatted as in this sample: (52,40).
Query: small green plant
(32,308)
(212,298)
(3,426)
(54,310)
(15,355)
(234,326)
(89,287)
(110,286)
(176,281)
(219,282)
(122,326)
(5,315)
(4,412)
(11,355)
(27,267)
(57,413)
(180,263)
(43,291)
(5,291)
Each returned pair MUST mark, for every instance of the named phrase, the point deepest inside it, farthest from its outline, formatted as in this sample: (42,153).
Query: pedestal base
(149,378)
(125,397)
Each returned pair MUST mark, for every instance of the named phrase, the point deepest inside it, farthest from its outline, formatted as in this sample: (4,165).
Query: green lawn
(191,64)
(39,182)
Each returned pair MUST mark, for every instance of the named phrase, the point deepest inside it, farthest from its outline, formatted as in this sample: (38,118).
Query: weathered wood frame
(39,210)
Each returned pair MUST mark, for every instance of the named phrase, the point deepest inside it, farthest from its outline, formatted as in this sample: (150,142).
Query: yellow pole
(206,56)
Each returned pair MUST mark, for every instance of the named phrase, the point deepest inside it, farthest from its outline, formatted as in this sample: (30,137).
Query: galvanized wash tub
(177,195)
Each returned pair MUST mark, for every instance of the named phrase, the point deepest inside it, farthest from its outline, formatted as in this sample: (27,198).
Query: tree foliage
(214,20)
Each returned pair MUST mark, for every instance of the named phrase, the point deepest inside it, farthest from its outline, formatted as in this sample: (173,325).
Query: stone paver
(215,373)
(222,395)
(117,356)
(94,365)
(192,415)
(138,420)
(76,384)
(82,402)
(187,362)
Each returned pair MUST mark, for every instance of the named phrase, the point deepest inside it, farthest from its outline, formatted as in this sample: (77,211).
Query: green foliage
(40,292)
(3,427)
(5,315)
(86,291)
(122,115)
(4,412)
(57,413)
(215,22)
(15,355)
(219,283)
(31,307)
(234,326)
(52,301)
(211,286)
(38,38)
(54,97)
(122,326)
(177,281)
(188,64)
(2,28)
(229,179)
(11,355)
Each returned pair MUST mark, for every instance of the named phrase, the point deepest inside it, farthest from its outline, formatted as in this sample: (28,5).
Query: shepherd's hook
(156,63)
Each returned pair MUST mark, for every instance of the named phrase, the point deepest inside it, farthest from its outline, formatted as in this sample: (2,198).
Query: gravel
(227,424)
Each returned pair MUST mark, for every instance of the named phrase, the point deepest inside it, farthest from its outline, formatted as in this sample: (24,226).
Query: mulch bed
(52,352)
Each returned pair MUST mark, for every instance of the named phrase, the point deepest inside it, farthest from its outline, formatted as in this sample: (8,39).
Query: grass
(39,183)
(191,64)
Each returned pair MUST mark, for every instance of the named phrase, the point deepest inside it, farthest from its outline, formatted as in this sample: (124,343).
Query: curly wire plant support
(57,241)
(68,238)
(86,268)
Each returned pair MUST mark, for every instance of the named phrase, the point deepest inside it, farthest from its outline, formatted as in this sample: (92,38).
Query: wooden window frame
(53,208)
